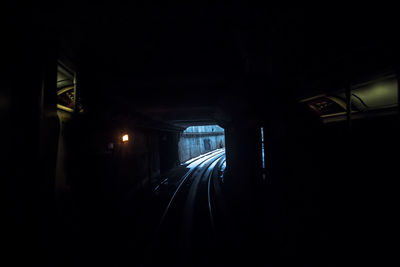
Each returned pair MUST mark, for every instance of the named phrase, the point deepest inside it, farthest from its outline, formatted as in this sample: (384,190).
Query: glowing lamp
(125,138)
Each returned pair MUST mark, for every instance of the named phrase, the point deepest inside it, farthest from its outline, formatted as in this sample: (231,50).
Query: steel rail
(210,176)
(183,180)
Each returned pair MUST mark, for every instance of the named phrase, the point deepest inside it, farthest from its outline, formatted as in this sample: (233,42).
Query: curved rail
(210,175)
(202,160)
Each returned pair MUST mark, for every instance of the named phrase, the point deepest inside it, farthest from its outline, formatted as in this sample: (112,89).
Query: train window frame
(359,108)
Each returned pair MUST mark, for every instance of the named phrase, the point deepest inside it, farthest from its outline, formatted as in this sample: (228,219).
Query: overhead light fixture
(125,138)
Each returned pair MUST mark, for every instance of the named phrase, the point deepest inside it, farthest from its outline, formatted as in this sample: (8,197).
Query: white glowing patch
(198,160)
(223,167)
(125,138)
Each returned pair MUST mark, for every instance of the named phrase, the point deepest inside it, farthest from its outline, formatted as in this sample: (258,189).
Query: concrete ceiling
(204,63)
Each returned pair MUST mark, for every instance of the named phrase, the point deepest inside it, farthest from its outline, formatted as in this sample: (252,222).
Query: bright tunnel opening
(199,140)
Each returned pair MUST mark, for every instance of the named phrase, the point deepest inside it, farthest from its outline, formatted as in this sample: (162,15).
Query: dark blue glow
(262,148)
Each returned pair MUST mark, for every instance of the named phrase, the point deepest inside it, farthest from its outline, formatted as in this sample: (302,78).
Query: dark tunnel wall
(100,158)
(29,158)
(169,151)
(329,190)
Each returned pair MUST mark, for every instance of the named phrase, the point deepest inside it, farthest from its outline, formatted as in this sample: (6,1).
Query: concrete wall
(197,140)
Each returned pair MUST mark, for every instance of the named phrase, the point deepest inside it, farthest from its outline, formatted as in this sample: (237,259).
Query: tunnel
(198,140)
(138,134)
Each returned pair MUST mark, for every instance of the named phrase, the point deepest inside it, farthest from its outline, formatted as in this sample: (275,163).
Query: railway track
(186,231)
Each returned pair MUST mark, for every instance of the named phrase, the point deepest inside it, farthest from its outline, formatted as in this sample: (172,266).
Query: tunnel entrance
(197,140)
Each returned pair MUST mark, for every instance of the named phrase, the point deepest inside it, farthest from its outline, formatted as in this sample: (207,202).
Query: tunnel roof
(200,63)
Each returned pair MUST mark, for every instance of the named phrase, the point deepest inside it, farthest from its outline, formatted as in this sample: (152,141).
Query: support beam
(348,107)
(398,91)
(76,108)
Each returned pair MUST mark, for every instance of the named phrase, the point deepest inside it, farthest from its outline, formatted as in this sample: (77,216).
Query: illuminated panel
(65,99)
(372,98)
(65,89)
(379,94)
(325,106)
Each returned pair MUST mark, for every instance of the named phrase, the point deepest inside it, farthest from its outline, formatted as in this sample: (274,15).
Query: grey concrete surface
(197,140)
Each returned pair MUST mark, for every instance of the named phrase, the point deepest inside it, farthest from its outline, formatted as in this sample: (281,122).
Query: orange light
(125,138)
